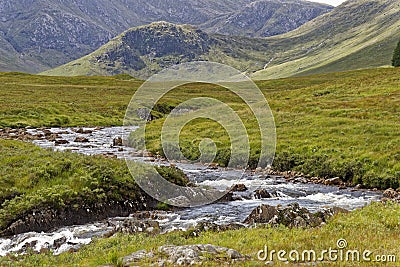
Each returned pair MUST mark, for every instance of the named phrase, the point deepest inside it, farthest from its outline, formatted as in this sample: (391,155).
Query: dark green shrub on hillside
(396,56)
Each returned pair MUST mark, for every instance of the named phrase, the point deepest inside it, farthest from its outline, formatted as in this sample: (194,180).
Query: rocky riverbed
(253,190)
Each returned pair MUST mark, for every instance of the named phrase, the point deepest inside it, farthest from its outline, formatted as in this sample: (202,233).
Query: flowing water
(100,141)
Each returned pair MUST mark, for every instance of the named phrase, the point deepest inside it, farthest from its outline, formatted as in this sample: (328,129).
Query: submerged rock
(118,141)
(81,140)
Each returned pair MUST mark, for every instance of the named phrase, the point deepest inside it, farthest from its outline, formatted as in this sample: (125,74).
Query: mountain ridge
(51,33)
(357,34)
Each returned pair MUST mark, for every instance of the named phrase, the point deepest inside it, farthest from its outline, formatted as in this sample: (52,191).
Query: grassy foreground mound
(375,228)
(42,189)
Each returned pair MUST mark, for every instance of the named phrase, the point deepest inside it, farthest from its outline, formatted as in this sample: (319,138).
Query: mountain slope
(45,34)
(357,34)
(267,18)
(145,50)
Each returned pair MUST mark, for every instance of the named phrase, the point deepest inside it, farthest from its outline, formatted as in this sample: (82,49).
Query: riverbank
(364,229)
(42,189)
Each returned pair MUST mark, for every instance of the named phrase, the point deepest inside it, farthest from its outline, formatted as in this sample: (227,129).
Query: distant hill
(145,50)
(357,34)
(36,35)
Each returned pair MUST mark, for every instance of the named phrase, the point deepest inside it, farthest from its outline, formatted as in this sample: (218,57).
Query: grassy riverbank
(340,124)
(375,228)
(37,184)
(335,125)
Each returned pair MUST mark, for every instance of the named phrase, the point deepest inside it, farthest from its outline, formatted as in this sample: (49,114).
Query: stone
(233,254)
(238,188)
(333,181)
(61,142)
(59,242)
(261,193)
(135,257)
(292,216)
(133,225)
(81,140)
(391,194)
(197,254)
(118,141)
(82,131)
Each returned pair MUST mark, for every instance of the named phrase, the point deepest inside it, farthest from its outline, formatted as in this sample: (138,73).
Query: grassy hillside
(357,34)
(338,124)
(145,50)
(30,100)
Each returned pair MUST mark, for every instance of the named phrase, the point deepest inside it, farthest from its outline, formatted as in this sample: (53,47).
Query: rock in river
(291,216)
(238,188)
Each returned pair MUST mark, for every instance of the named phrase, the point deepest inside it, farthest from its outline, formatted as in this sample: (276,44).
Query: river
(99,141)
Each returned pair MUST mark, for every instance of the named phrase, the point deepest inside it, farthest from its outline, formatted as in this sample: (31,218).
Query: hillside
(51,33)
(145,50)
(357,34)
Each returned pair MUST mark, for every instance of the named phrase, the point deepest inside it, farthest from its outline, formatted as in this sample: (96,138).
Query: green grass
(63,101)
(375,228)
(35,179)
(342,124)
(338,124)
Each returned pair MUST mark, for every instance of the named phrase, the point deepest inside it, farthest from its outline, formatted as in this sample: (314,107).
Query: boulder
(197,254)
(238,188)
(291,216)
(333,181)
(81,140)
(118,141)
(262,193)
(391,194)
(137,256)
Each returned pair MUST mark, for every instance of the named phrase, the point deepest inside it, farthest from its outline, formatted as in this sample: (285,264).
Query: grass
(338,124)
(342,124)
(375,228)
(34,179)
(31,100)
